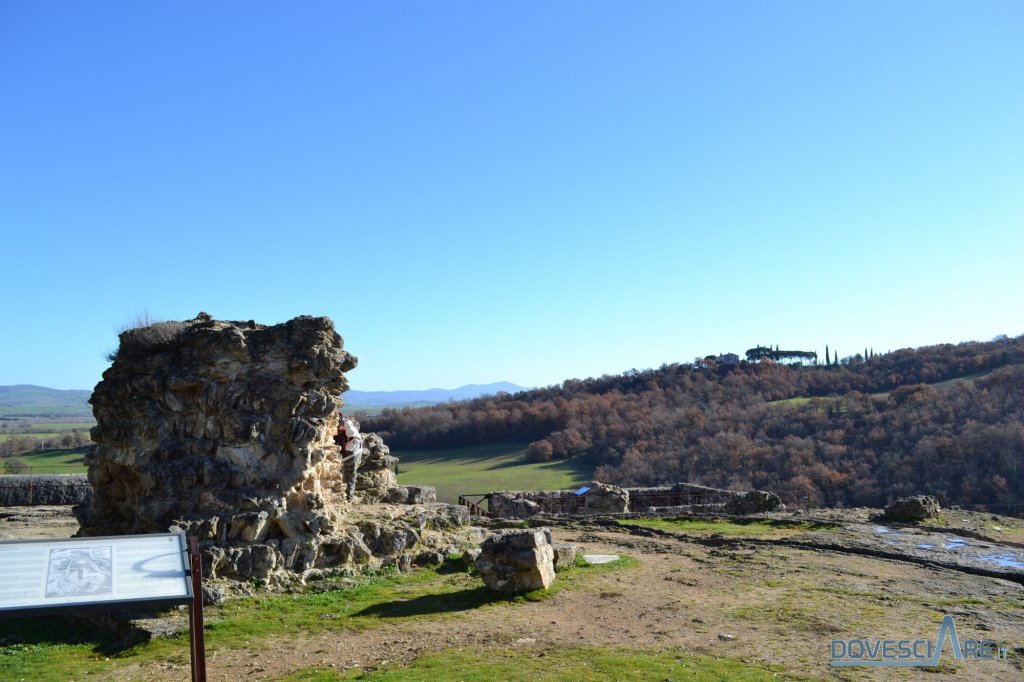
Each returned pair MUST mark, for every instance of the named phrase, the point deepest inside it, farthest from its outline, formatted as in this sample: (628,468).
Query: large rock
(754,502)
(514,561)
(917,508)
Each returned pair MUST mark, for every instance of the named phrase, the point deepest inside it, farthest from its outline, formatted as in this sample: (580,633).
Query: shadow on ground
(449,602)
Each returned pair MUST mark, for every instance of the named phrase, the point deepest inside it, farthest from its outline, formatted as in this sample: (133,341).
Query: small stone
(565,554)
(726,637)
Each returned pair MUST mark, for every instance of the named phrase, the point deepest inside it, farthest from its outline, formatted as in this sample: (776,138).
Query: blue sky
(526,191)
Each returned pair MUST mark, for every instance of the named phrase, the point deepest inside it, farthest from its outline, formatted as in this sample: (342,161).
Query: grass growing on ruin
(761,528)
(487,468)
(47,648)
(560,663)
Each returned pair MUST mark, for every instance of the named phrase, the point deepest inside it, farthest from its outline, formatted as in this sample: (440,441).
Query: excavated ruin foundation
(226,431)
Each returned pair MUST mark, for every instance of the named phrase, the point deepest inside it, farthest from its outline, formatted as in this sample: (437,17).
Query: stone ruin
(226,431)
(602,498)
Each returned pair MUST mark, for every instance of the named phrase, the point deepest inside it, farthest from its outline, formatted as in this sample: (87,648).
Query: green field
(53,461)
(85,412)
(487,468)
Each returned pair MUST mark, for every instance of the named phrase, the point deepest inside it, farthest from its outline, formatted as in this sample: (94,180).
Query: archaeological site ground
(318,566)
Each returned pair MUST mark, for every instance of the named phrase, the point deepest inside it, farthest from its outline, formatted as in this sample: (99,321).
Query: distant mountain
(430,396)
(28,399)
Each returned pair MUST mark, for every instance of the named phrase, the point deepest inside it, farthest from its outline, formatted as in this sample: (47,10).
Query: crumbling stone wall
(226,431)
(609,499)
(600,499)
(24,490)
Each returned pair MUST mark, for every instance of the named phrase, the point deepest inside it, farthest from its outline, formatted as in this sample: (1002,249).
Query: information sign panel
(54,576)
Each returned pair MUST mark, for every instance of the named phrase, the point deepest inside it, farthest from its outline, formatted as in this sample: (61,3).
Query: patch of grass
(760,528)
(49,647)
(561,663)
(793,401)
(487,468)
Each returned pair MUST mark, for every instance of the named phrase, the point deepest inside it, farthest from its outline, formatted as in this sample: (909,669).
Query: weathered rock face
(514,561)
(226,431)
(916,508)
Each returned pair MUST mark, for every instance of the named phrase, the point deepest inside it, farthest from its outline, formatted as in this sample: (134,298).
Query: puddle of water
(955,543)
(926,546)
(892,542)
(1005,560)
(883,529)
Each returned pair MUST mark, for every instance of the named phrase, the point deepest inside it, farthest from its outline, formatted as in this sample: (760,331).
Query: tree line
(860,433)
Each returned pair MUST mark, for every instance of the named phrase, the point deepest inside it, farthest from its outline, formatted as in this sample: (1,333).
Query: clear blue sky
(522,191)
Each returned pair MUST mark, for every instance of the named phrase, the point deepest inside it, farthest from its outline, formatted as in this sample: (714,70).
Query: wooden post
(197,642)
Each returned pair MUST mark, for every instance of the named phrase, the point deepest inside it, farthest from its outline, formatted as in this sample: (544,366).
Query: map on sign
(79,571)
(63,575)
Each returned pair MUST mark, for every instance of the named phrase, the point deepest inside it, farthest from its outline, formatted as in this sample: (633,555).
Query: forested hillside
(860,433)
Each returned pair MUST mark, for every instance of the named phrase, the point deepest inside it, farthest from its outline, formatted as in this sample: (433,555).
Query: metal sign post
(197,641)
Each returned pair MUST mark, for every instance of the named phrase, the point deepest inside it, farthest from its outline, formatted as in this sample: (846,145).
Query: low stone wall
(602,498)
(680,495)
(43,489)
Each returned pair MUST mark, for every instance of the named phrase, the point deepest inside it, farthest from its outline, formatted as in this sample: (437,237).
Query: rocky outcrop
(515,561)
(226,431)
(21,490)
(910,509)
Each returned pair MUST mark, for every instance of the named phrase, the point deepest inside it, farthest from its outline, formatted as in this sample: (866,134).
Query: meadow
(487,468)
(50,462)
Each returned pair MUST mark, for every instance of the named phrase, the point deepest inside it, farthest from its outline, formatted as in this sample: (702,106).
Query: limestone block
(565,554)
(514,561)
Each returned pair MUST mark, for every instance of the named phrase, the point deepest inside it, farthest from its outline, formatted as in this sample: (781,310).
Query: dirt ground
(760,602)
